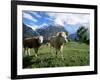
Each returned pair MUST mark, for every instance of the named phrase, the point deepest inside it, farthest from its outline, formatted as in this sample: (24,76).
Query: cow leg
(29,52)
(32,51)
(61,54)
(51,50)
(61,51)
(36,51)
(26,51)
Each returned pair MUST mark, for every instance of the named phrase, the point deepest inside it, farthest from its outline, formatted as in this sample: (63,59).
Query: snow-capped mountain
(29,32)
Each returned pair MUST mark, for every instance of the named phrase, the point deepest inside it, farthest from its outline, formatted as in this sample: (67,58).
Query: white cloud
(34,27)
(28,16)
(37,15)
(78,18)
(70,18)
(58,21)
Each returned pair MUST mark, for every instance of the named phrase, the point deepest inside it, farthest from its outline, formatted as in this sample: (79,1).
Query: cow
(58,41)
(33,42)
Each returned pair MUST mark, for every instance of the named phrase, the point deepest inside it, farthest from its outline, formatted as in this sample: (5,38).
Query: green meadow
(75,54)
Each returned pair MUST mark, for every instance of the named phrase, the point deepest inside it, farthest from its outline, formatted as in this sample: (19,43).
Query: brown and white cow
(33,42)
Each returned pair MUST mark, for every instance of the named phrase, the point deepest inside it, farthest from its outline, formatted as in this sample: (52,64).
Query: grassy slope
(75,54)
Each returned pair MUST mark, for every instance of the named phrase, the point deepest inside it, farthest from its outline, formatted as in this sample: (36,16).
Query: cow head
(63,36)
(40,38)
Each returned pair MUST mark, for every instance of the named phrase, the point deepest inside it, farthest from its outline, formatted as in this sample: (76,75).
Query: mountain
(73,36)
(48,31)
(28,32)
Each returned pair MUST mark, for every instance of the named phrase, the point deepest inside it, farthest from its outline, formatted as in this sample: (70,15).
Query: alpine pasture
(75,54)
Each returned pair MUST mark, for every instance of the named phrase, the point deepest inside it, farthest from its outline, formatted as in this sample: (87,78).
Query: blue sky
(70,21)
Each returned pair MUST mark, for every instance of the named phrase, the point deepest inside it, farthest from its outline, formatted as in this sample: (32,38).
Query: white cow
(58,41)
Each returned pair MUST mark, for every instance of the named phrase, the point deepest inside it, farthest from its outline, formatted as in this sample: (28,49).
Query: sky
(70,21)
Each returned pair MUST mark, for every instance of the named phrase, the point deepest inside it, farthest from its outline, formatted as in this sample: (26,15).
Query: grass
(75,54)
